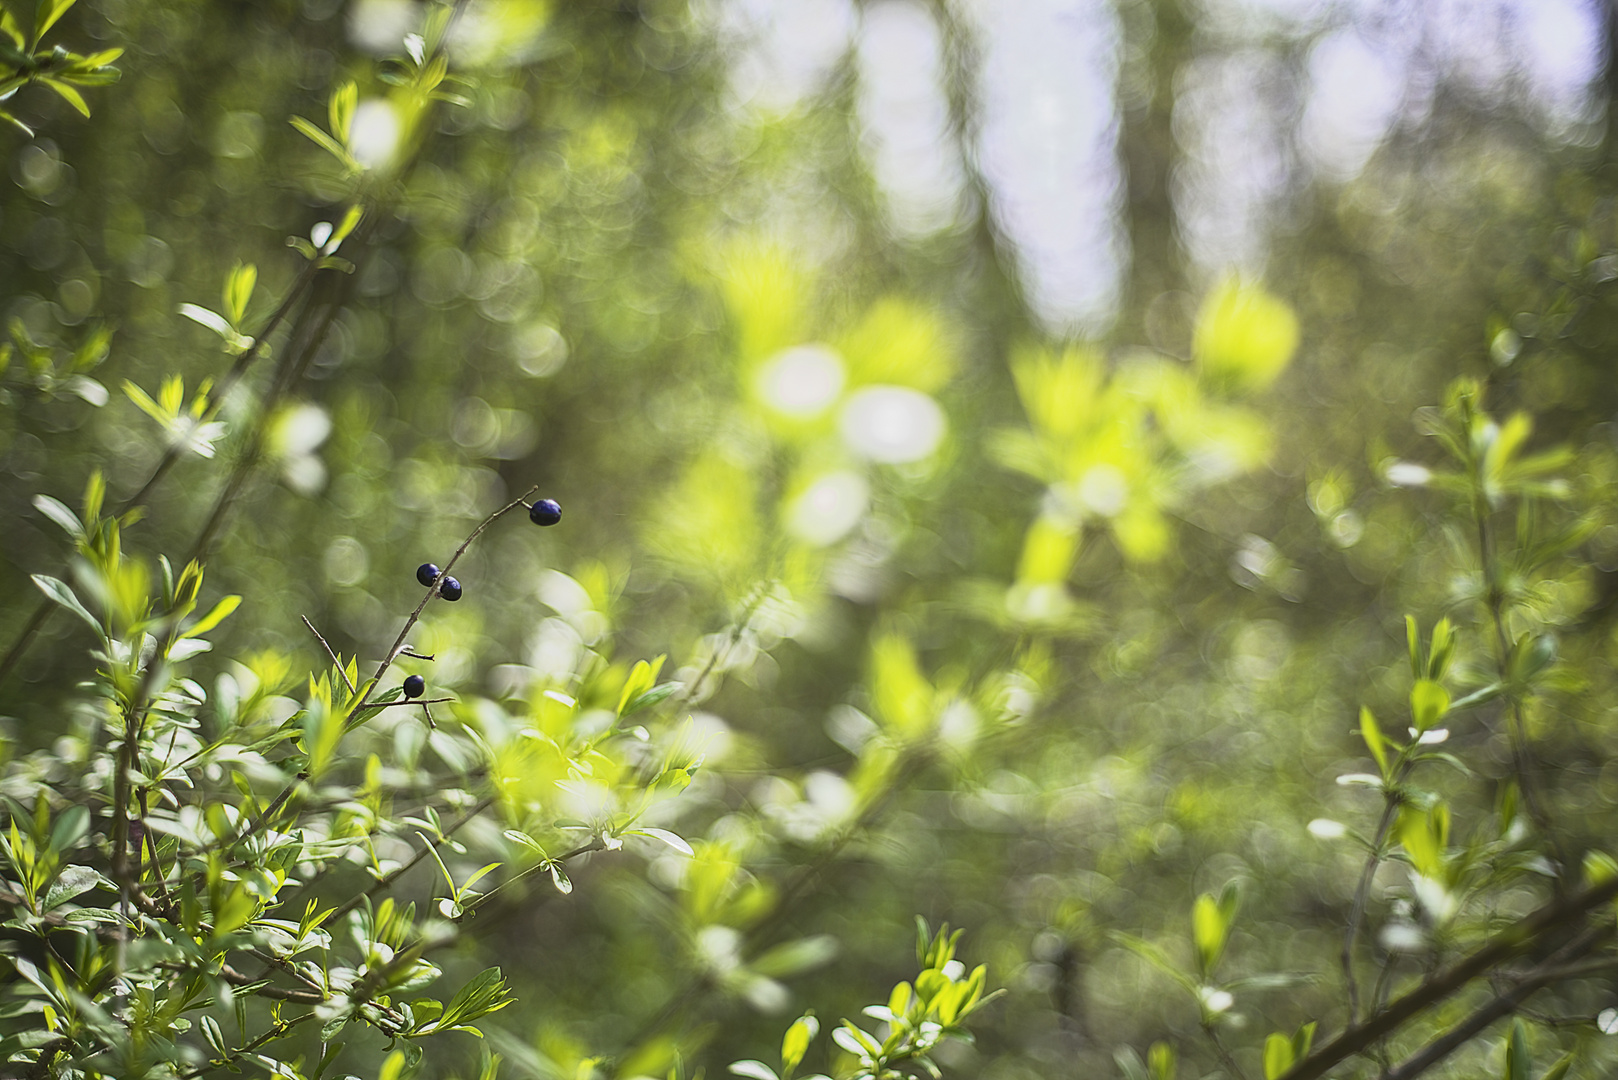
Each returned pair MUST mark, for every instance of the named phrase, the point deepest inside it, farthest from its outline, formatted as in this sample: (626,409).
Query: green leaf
(1277,1055)
(18,124)
(1429,703)
(519,837)
(59,592)
(1130,1064)
(340,109)
(1155,956)
(1303,1039)
(351,218)
(793,957)
(1244,336)
(795,1043)
(1210,929)
(68,94)
(1559,1068)
(671,839)
(218,615)
(72,881)
(58,512)
(211,319)
(1374,742)
(1425,837)
(1517,1062)
(10,27)
(478,875)
(1413,644)
(1160,1061)
(641,678)
(1599,867)
(856,1041)
(326,143)
(656,695)
(45,15)
(239,290)
(1531,654)
(1440,649)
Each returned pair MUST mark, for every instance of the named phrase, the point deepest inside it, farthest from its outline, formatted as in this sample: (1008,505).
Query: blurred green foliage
(1222,703)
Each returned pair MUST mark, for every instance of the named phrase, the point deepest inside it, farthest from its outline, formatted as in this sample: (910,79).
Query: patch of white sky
(904,118)
(1047,147)
(1371,66)
(1253,124)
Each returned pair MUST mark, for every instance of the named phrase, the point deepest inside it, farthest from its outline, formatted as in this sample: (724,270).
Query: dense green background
(587,268)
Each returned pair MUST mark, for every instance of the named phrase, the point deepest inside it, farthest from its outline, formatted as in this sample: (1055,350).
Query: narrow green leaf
(1559,1068)
(795,1043)
(671,839)
(1429,703)
(1160,1061)
(58,512)
(68,94)
(340,109)
(1208,932)
(1277,1055)
(239,290)
(1517,1063)
(324,141)
(45,15)
(1372,734)
(59,592)
(218,615)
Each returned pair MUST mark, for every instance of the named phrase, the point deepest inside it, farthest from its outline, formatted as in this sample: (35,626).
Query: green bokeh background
(578,288)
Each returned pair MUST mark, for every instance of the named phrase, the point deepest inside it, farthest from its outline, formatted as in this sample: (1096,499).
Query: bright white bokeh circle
(801,382)
(892,425)
(830,507)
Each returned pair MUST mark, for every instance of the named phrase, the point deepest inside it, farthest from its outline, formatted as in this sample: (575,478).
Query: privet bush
(870,598)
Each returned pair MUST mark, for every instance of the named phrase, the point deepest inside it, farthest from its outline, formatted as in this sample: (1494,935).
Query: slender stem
(1516,727)
(294,362)
(1502,1005)
(595,844)
(300,285)
(1223,1053)
(1390,807)
(415,616)
(338,664)
(280,1028)
(389,878)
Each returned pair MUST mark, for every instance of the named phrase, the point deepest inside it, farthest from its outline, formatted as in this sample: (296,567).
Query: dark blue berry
(426,573)
(414,686)
(450,589)
(545,512)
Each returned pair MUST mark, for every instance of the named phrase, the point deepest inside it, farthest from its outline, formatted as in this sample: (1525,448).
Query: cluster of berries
(543,512)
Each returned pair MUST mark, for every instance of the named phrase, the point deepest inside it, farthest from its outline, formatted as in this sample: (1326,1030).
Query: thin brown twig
(1502,1005)
(280,1028)
(415,616)
(1361,897)
(1442,984)
(1223,1052)
(336,663)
